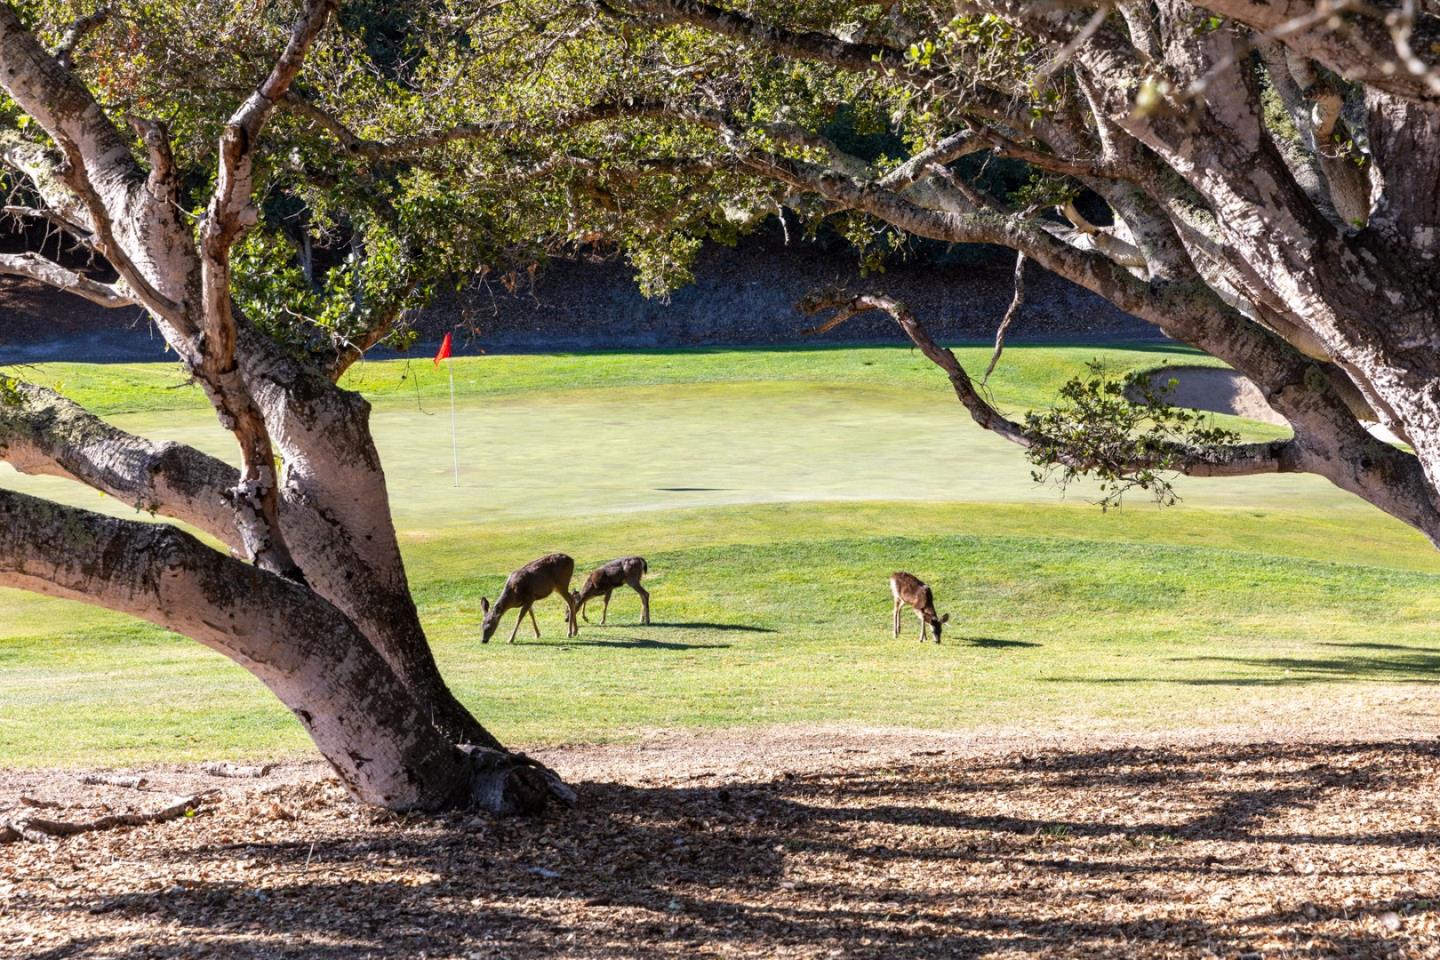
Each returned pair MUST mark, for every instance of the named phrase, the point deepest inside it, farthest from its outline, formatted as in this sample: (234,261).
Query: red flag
(444,350)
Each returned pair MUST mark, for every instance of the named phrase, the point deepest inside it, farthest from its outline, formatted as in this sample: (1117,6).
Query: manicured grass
(772,492)
(1028,377)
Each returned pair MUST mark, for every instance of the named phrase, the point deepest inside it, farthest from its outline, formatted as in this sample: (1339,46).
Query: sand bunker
(1215,389)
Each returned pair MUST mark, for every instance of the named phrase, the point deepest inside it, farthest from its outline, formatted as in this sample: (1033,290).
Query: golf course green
(772,492)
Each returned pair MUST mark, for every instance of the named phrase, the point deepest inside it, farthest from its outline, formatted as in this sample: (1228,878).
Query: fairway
(773,491)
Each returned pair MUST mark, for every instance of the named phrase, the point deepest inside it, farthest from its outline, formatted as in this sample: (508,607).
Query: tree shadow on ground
(1096,853)
(1421,666)
(1406,668)
(1379,646)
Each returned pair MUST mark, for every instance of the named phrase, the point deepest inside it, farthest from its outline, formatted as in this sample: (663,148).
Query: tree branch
(42,432)
(229,214)
(76,34)
(804,44)
(80,235)
(52,274)
(1374,43)
(231,210)
(298,645)
(42,168)
(1010,313)
(32,827)
(94,150)
(382,150)
(1277,456)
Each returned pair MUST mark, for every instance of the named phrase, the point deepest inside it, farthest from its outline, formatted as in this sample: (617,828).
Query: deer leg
(644,602)
(896,619)
(581,608)
(605,610)
(519,620)
(922,626)
(535,626)
(574,620)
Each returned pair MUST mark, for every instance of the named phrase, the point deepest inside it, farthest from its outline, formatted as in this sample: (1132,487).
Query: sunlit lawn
(772,491)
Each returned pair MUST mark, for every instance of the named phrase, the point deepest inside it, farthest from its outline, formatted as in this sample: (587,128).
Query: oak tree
(1258,180)
(152,153)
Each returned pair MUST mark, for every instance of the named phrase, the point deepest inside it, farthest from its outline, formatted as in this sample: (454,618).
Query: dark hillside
(741,295)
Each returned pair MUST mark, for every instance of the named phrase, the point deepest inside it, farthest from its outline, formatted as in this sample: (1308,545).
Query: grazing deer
(909,590)
(616,573)
(527,586)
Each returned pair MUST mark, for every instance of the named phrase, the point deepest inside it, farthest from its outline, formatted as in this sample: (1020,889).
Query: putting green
(773,492)
(551,454)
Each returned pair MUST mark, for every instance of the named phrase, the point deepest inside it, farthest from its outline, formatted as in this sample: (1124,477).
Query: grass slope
(772,492)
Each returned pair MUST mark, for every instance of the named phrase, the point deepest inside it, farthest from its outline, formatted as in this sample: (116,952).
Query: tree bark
(364,721)
(322,614)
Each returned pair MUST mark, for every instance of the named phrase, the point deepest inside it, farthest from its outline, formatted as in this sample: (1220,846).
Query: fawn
(910,590)
(604,581)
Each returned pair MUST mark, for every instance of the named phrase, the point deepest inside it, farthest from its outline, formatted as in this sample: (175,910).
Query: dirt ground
(770,844)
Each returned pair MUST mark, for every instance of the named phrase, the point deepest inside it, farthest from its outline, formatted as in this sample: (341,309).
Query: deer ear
(945,619)
(484,605)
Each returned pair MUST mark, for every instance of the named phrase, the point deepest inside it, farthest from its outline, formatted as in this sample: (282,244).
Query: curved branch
(230,212)
(76,33)
(52,274)
(32,827)
(1276,456)
(298,645)
(42,432)
(381,325)
(1373,43)
(99,168)
(42,168)
(78,234)
(804,44)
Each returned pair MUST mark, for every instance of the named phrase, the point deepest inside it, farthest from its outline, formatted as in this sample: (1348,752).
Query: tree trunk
(372,730)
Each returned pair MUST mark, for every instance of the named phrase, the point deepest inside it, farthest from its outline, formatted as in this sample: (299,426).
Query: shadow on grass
(1380,646)
(629,643)
(700,625)
(1409,668)
(992,644)
(1423,666)
(965,857)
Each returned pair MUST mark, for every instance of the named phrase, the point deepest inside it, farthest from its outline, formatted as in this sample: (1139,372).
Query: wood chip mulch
(1233,850)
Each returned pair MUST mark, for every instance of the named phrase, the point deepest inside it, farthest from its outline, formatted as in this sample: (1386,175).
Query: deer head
(487,629)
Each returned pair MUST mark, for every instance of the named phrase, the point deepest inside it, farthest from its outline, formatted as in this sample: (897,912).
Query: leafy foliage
(1122,431)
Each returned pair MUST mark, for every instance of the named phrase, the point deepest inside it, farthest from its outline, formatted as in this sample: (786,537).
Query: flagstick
(454,444)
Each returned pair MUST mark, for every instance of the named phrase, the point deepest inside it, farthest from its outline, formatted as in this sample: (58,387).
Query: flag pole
(454,444)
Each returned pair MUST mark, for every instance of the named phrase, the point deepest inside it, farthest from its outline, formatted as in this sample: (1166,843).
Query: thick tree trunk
(43,433)
(336,511)
(323,616)
(373,731)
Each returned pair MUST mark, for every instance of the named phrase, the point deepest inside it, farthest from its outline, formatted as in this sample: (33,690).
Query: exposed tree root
(512,783)
(35,828)
(114,780)
(237,771)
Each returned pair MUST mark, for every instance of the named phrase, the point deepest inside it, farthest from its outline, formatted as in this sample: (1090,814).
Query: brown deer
(910,590)
(616,573)
(527,586)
